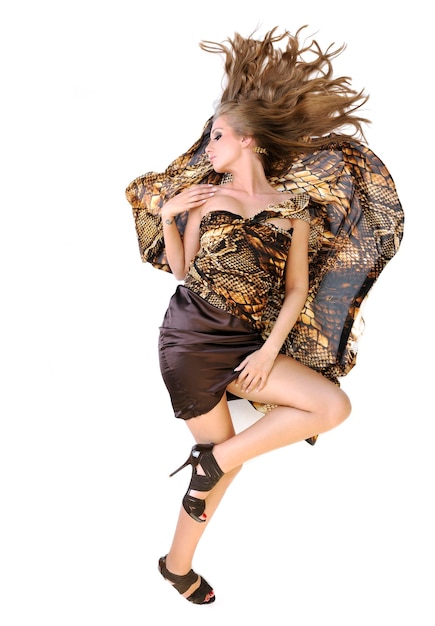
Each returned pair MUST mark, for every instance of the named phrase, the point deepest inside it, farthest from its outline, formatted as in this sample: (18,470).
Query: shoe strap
(212,473)
(180,582)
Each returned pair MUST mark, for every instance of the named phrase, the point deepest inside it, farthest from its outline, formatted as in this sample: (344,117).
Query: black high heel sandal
(182,584)
(201,454)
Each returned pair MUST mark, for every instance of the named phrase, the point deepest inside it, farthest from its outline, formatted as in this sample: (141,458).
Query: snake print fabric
(241,261)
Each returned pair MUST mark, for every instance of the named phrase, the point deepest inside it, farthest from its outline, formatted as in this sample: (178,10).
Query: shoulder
(295,201)
(295,206)
(222,198)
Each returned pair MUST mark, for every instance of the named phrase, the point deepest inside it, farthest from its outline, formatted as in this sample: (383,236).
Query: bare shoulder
(223,198)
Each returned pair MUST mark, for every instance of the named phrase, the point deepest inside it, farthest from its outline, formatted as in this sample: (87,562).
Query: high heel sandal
(182,584)
(201,454)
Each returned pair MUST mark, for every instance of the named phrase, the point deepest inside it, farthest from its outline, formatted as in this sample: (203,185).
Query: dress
(221,313)
(357,225)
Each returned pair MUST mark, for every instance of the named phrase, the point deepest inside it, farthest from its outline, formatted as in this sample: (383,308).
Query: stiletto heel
(203,595)
(201,454)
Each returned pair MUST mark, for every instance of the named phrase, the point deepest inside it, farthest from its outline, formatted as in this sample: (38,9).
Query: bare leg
(216,426)
(308,404)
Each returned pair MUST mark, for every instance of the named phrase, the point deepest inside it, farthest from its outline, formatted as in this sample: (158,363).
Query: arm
(296,288)
(180,251)
(256,367)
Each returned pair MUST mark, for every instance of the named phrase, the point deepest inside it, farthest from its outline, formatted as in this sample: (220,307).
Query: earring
(259,150)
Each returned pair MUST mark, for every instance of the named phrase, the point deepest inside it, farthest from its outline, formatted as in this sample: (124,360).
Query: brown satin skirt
(199,347)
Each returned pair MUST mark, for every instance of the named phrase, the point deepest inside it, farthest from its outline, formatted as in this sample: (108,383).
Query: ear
(247,142)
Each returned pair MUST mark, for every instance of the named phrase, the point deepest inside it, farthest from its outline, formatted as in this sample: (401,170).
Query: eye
(217,137)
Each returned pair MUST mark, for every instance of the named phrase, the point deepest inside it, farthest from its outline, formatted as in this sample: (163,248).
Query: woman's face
(224,146)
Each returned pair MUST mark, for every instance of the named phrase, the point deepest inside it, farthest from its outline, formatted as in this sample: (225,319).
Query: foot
(191,585)
(206,473)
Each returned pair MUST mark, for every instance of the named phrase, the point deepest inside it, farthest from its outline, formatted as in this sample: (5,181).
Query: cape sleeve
(356,229)
(146,195)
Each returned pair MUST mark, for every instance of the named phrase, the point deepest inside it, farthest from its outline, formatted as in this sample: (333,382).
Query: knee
(339,409)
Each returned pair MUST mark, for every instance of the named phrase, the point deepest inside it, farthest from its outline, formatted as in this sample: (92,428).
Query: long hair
(284,94)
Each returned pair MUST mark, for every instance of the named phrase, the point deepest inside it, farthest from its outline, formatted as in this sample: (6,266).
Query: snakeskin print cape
(356,229)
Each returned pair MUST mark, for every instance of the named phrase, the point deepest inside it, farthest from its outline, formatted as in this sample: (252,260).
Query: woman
(242,247)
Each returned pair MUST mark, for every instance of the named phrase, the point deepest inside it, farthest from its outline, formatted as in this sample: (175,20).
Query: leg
(215,426)
(308,404)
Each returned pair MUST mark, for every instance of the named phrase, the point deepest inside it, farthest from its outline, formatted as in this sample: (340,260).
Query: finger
(248,383)
(201,190)
(244,376)
(200,199)
(207,193)
(242,365)
(256,383)
(241,381)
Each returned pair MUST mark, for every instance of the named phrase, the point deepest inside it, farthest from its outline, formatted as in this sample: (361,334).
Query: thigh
(213,427)
(291,383)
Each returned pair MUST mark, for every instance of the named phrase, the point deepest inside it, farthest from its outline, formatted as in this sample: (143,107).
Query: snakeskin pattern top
(240,266)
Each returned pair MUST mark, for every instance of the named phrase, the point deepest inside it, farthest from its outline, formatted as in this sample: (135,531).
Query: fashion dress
(356,228)
(222,313)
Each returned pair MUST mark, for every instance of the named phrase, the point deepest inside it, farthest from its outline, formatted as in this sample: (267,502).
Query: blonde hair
(285,100)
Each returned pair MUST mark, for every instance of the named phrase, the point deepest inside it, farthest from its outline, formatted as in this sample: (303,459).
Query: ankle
(176,565)
(219,456)
(224,461)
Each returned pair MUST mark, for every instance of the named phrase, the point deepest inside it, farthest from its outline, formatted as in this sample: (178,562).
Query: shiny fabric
(199,347)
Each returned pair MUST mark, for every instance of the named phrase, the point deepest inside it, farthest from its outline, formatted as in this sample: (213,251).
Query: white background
(95,94)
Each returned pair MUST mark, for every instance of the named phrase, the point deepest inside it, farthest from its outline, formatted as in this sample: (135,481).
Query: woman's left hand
(254,371)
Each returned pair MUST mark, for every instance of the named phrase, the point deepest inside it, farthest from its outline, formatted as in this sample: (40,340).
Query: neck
(252,181)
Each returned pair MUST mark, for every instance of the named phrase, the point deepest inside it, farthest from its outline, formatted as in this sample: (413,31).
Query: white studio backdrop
(93,95)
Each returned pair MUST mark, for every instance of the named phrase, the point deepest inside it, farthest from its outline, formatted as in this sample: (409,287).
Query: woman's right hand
(188,199)
(181,250)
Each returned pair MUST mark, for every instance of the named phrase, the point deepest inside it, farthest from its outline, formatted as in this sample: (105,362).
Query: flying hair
(283,92)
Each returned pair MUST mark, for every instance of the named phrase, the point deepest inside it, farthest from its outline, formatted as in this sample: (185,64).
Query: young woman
(243,254)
